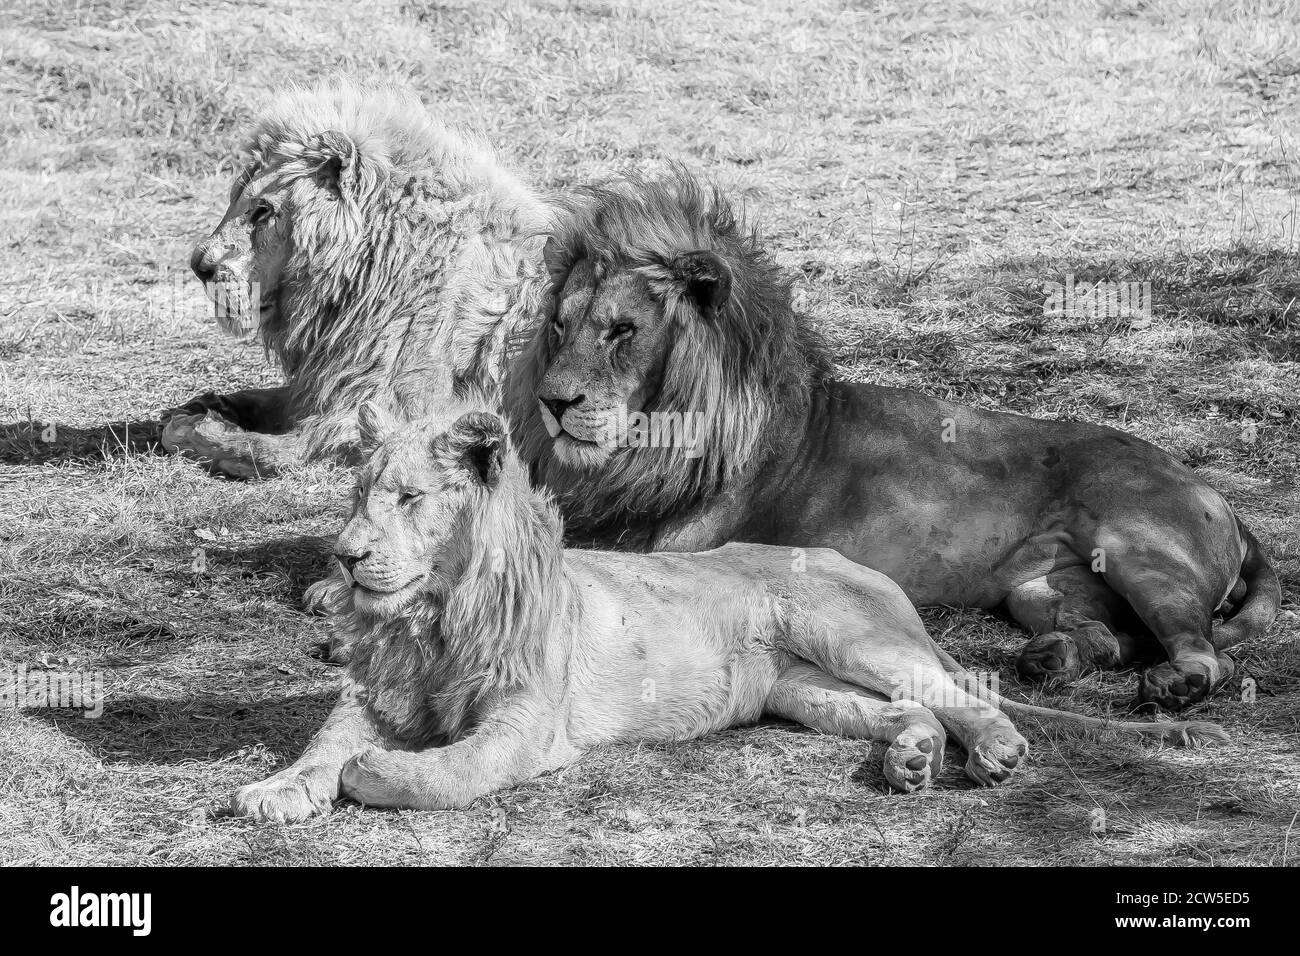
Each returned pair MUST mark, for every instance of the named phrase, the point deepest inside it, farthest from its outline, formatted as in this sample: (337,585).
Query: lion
(378,254)
(665,307)
(486,654)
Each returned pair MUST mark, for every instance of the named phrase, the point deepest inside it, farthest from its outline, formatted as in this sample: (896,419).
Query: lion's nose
(350,561)
(201,266)
(558,406)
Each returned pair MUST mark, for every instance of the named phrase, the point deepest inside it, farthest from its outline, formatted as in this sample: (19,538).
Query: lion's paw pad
(1172,688)
(996,758)
(1049,657)
(914,759)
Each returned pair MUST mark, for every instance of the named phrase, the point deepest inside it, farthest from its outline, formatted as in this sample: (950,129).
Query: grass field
(924,168)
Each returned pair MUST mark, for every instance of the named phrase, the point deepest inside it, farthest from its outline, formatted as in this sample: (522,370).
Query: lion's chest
(407,684)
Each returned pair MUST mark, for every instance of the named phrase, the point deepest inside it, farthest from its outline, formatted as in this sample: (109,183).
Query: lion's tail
(1259,604)
(1180,733)
(1183,733)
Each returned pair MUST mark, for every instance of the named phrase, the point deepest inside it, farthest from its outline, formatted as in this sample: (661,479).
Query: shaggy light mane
(414,281)
(488,632)
(738,371)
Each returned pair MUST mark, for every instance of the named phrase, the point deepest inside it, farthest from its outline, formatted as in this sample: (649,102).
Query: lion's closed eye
(260,213)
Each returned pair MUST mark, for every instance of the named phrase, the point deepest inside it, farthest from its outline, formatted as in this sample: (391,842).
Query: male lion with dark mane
(485,654)
(1102,545)
(379,253)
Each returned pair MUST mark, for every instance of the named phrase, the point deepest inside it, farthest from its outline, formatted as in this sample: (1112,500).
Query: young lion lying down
(487,654)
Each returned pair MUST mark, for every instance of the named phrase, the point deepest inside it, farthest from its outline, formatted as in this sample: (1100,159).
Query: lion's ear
(480,440)
(374,424)
(706,277)
(557,261)
(338,169)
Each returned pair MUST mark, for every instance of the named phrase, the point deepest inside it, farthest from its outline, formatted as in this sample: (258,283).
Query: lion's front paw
(998,755)
(1050,657)
(210,440)
(338,650)
(324,596)
(1174,685)
(283,798)
(372,778)
(178,431)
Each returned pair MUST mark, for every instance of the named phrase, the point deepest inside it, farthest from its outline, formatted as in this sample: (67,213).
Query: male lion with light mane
(1102,545)
(379,254)
(485,654)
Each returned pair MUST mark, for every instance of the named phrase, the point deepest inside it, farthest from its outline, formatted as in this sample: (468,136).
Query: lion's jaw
(386,605)
(583,438)
(241,307)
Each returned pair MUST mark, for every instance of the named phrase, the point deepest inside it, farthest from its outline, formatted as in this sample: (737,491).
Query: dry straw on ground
(925,169)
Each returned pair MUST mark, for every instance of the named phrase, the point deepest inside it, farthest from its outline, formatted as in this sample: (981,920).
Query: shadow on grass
(300,561)
(34,443)
(150,730)
(1003,332)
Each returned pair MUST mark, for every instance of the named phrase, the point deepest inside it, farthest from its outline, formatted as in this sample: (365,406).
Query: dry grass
(925,169)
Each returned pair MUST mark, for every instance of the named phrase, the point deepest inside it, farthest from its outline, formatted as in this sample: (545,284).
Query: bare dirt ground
(925,169)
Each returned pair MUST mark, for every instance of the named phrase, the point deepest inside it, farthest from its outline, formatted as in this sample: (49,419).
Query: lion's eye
(409,497)
(622,329)
(557,325)
(260,213)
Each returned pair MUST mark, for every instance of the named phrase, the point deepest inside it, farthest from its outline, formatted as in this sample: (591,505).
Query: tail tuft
(1194,733)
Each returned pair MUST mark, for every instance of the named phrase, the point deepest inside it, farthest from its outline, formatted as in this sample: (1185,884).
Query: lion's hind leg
(898,658)
(1080,625)
(1168,573)
(810,696)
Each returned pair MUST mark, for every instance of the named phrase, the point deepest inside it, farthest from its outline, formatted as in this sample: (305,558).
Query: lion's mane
(427,669)
(742,371)
(416,279)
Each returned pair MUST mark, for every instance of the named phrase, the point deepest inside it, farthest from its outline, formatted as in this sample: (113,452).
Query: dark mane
(746,369)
